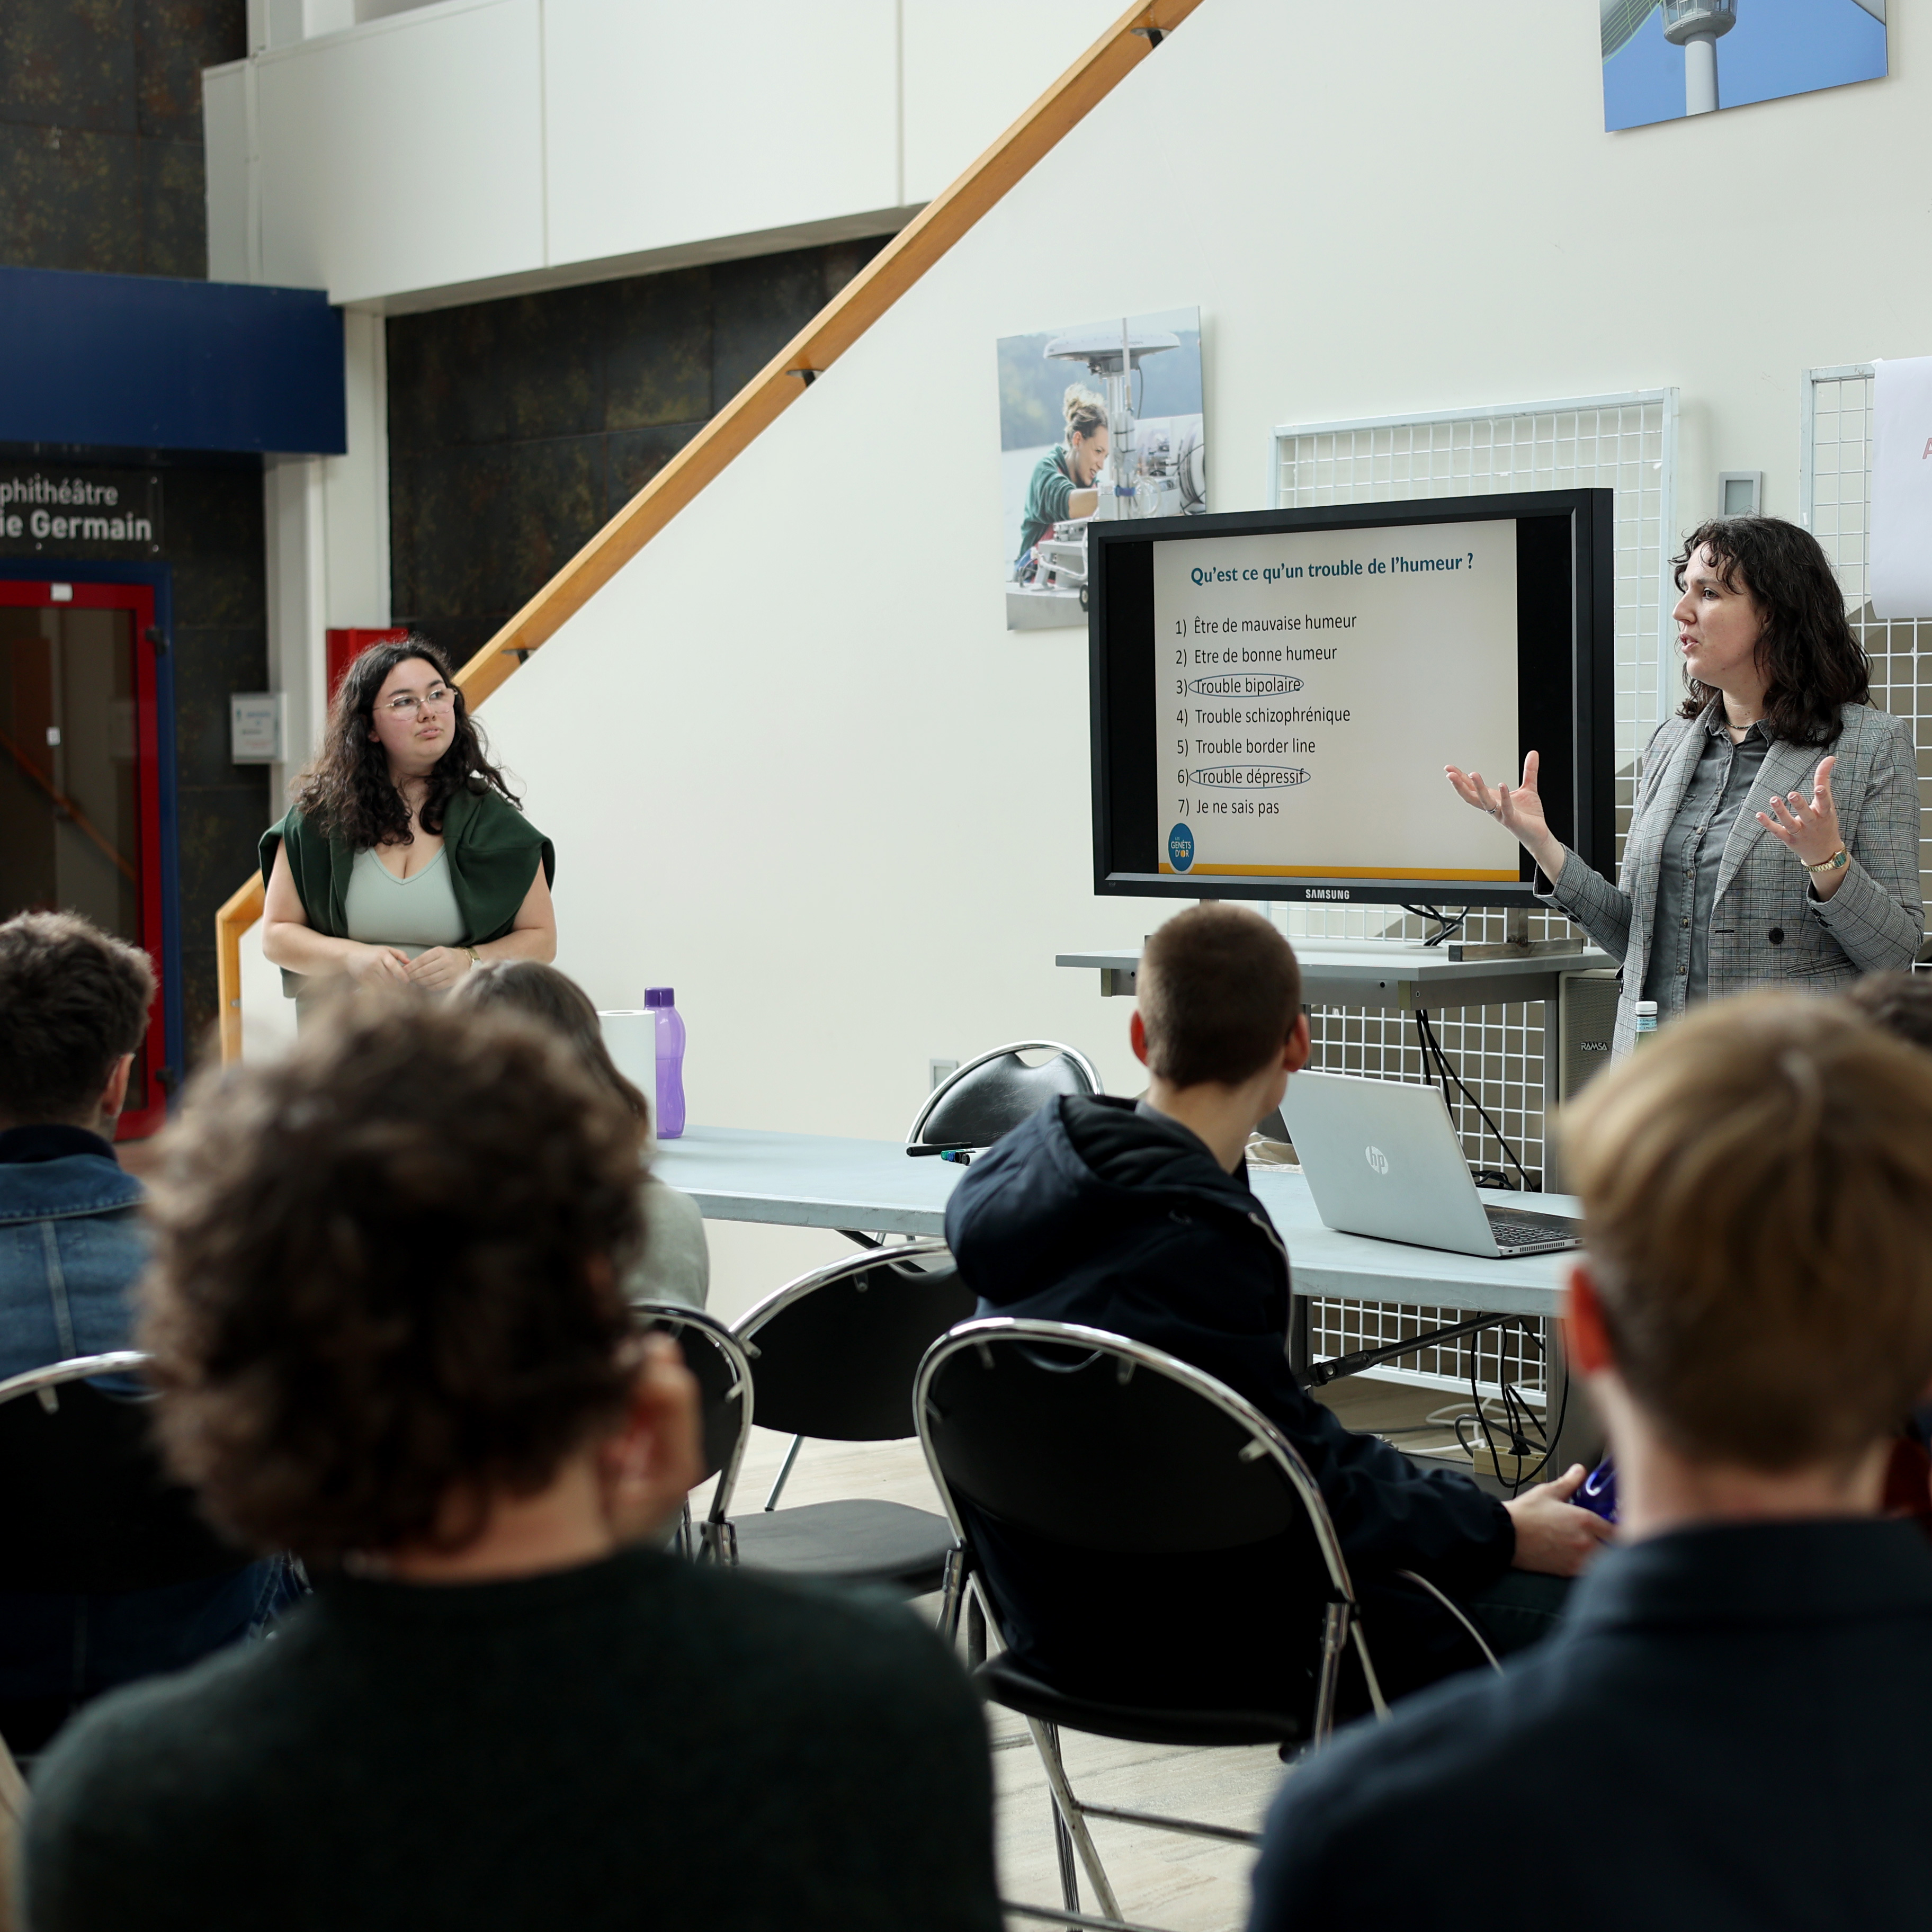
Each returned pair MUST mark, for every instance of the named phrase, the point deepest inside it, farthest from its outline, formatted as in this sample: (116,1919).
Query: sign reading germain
(79,513)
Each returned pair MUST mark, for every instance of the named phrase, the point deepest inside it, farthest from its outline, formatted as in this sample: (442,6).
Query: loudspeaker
(1586,1016)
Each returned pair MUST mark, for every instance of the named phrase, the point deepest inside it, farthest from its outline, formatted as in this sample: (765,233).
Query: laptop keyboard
(1507,1227)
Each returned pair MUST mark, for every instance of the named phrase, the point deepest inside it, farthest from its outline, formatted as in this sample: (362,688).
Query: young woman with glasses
(405,859)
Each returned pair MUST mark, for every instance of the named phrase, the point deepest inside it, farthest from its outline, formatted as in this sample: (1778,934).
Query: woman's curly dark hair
(1812,662)
(347,792)
(385,1281)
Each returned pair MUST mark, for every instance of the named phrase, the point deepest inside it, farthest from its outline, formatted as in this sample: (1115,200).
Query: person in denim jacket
(74,1010)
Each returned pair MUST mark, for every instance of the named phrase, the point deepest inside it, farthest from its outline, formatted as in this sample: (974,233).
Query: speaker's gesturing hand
(1520,811)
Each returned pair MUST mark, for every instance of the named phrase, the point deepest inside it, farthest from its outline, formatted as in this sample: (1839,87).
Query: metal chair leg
(784,1473)
(1335,1621)
(1063,1847)
(951,1589)
(1066,1808)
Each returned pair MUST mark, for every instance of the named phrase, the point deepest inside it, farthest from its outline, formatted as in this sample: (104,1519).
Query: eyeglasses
(406,704)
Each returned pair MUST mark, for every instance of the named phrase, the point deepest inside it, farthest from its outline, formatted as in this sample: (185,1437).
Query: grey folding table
(819,1180)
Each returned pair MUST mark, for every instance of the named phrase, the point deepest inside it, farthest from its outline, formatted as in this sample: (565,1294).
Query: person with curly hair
(675,1263)
(404,859)
(388,1331)
(1778,715)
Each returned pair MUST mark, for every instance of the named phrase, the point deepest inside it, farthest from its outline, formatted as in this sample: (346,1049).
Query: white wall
(450,152)
(327,521)
(794,764)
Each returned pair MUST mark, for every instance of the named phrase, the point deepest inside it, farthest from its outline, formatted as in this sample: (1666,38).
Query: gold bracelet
(473,960)
(1839,858)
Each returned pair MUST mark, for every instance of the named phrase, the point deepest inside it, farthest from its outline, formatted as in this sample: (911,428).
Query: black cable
(1554,1435)
(1447,927)
(1432,1044)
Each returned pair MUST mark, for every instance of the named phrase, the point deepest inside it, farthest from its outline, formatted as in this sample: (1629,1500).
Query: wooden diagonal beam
(862,300)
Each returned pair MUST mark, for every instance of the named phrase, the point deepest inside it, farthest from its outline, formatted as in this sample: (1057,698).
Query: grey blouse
(1678,971)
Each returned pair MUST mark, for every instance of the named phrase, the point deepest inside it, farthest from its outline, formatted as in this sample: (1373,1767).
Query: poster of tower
(1101,421)
(1665,59)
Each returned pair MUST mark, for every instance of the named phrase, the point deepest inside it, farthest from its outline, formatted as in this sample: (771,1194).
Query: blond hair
(1084,410)
(1757,1202)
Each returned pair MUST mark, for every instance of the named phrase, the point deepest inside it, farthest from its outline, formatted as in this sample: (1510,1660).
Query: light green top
(411,914)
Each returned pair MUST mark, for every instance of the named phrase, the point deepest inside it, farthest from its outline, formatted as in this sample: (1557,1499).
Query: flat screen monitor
(1275,694)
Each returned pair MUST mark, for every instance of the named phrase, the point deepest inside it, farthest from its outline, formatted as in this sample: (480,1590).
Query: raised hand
(1520,811)
(1809,828)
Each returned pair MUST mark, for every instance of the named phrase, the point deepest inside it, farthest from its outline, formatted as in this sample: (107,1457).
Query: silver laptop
(1382,1158)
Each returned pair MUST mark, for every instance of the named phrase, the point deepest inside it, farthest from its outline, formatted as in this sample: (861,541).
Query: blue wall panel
(146,362)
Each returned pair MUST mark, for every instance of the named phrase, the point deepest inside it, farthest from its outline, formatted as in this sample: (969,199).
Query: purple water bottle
(661,1003)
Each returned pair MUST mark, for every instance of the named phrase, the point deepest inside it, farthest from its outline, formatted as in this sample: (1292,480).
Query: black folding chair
(85,1508)
(716,1360)
(1102,1449)
(975,1104)
(833,1355)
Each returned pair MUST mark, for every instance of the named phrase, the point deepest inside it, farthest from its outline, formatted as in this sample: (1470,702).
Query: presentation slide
(1309,687)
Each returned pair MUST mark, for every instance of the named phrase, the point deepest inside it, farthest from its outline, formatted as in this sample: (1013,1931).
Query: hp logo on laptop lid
(1376,1159)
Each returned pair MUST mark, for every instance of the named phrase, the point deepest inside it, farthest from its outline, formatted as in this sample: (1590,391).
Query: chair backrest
(715,1357)
(973,1105)
(1091,1441)
(835,1351)
(85,1508)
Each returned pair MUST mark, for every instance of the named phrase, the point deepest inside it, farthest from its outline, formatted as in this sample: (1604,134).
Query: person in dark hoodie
(1135,1217)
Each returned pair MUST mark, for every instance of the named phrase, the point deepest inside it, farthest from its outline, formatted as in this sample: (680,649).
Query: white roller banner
(1901,534)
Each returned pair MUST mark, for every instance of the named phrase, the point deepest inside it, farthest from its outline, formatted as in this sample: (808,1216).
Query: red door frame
(145,1112)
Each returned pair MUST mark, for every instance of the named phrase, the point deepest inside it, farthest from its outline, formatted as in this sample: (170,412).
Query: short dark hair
(73,1001)
(1220,991)
(1901,1002)
(378,1284)
(529,986)
(1807,650)
(1756,1187)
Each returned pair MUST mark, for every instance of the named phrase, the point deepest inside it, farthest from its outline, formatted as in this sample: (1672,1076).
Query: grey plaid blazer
(1766,928)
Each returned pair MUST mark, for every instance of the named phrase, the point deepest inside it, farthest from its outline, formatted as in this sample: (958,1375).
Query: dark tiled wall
(213,540)
(101,169)
(100,140)
(518,428)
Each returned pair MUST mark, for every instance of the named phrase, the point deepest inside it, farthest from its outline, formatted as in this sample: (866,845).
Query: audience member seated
(1136,1217)
(1901,1002)
(675,1264)
(73,1009)
(1728,1729)
(389,1333)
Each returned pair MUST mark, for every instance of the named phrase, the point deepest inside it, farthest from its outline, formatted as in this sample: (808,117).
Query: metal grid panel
(1626,443)
(1835,453)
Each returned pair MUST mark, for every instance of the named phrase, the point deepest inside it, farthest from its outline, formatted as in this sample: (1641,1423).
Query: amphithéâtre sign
(53,511)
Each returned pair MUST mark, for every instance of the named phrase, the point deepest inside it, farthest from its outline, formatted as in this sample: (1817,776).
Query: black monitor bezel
(1592,801)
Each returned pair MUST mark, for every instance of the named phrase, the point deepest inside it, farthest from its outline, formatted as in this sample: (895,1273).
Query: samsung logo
(1326,893)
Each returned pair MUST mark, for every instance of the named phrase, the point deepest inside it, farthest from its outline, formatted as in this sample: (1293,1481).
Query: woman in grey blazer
(1819,884)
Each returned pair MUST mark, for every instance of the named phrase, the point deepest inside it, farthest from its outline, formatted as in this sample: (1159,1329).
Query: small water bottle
(1646,1020)
(660,1002)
